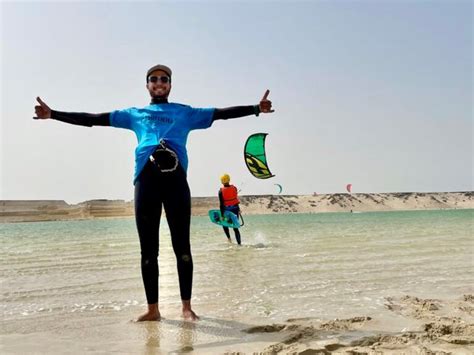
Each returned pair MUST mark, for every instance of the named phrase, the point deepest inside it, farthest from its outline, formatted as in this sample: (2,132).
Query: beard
(159,93)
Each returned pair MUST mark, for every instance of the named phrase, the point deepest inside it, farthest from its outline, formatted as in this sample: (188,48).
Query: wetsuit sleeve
(221,202)
(235,112)
(82,118)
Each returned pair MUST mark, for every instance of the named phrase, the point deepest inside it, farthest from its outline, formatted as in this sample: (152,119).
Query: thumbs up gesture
(265,105)
(42,110)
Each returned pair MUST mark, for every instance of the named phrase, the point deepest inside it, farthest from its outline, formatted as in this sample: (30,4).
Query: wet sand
(419,326)
(411,326)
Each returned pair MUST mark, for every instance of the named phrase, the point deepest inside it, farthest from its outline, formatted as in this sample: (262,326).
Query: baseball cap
(162,67)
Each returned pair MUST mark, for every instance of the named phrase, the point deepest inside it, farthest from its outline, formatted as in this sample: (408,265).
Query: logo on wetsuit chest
(154,119)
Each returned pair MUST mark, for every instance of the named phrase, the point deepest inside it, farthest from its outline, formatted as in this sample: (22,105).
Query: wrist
(256,110)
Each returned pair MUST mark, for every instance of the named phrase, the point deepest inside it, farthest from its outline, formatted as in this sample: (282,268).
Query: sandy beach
(418,326)
(58,210)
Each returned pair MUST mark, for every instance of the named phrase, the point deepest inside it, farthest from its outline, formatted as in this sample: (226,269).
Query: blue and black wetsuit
(235,210)
(155,189)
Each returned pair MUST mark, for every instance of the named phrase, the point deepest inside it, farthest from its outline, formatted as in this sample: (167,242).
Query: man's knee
(149,259)
(186,258)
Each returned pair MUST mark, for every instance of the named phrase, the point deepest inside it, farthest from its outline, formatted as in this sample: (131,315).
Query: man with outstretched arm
(160,180)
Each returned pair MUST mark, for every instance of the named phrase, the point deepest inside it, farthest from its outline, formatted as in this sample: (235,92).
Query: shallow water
(64,281)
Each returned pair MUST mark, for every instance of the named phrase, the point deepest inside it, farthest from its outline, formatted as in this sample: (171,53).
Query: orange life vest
(229,195)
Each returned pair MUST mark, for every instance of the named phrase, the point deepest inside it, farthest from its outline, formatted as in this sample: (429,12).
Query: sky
(374,93)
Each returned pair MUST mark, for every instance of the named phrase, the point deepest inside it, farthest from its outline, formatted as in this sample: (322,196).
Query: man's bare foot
(153,314)
(188,313)
(149,317)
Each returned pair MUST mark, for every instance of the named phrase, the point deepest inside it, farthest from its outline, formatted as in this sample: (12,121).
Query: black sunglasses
(164,79)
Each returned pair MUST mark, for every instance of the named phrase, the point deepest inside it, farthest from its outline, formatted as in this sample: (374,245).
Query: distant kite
(349,188)
(280,188)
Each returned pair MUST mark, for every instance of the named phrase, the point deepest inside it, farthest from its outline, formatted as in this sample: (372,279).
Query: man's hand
(265,105)
(42,110)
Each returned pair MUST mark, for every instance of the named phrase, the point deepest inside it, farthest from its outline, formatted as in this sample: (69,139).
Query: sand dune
(53,210)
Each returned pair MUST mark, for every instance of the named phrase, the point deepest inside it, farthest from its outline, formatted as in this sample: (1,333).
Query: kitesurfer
(160,177)
(229,201)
